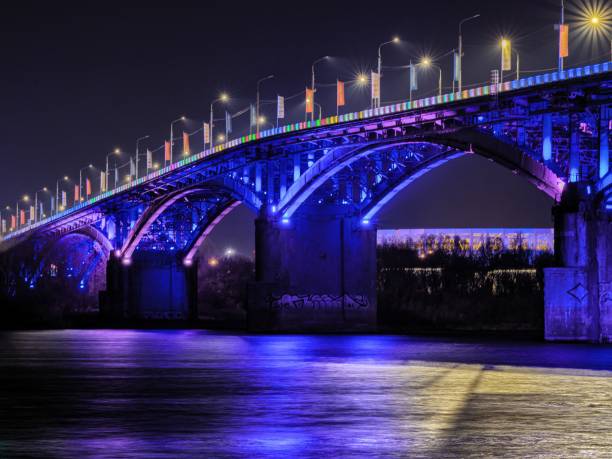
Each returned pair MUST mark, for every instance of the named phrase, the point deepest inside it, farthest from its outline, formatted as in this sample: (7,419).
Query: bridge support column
(315,273)
(578,294)
(155,285)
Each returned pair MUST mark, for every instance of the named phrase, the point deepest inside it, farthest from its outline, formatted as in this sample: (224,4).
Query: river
(179,393)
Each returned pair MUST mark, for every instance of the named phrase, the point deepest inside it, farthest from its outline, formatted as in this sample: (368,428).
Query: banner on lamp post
(563,40)
(280,107)
(340,93)
(206,131)
(375,79)
(149,160)
(166,150)
(186,148)
(309,100)
(506,63)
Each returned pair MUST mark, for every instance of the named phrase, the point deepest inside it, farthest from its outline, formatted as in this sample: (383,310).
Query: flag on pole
(22,217)
(102,181)
(563,40)
(413,78)
(32,213)
(116,175)
(228,123)
(280,107)
(253,117)
(64,199)
(87,187)
(52,204)
(185,143)
(340,93)
(132,168)
(309,100)
(13,222)
(506,63)
(3,224)
(456,66)
(77,194)
(41,209)
(166,151)
(375,79)
(206,130)
(149,159)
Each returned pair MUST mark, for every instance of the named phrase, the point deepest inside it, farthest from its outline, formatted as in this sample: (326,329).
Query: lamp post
(394,40)
(460,57)
(137,155)
(182,118)
(561,23)
(269,77)
(222,98)
(36,213)
(89,166)
(57,204)
(321,59)
(426,62)
(116,151)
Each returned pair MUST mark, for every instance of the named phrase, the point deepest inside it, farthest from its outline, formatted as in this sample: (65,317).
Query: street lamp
(116,151)
(269,77)
(36,213)
(89,166)
(460,57)
(57,204)
(222,98)
(137,154)
(394,40)
(321,59)
(426,62)
(182,118)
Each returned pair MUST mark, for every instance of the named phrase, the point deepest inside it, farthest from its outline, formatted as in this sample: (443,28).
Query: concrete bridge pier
(153,286)
(578,294)
(314,273)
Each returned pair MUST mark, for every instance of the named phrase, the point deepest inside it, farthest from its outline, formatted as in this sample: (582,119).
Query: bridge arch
(456,142)
(229,193)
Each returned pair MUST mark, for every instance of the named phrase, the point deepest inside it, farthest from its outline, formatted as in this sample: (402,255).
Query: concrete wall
(315,273)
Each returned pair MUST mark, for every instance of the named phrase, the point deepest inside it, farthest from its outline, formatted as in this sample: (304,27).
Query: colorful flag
(3,226)
(253,116)
(64,199)
(41,209)
(149,160)
(309,100)
(280,107)
(87,187)
(563,40)
(77,194)
(52,204)
(102,181)
(166,151)
(32,213)
(132,168)
(22,217)
(413,78)
(13,222)
(375,79)
(456,66)
(506,63)
(228,123)
(206,130)
(116,175)
(185,143)
(340,93)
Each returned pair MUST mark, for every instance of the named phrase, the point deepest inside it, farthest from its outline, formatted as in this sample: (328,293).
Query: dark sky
(78,80)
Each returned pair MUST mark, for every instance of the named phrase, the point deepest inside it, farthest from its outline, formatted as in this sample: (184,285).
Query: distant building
(429,239)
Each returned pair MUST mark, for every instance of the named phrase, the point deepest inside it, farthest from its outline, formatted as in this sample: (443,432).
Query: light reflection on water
(153,394)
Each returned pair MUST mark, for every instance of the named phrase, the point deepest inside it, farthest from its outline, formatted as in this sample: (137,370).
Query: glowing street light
(182,118)
(393,40)
(427,63)
(361,79)
(117,152)
(229,252)
(222,98)
(261,80)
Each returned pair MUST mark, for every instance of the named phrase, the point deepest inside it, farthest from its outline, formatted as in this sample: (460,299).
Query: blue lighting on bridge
(285,221)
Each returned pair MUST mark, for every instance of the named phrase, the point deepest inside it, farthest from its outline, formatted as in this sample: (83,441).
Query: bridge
(317,188)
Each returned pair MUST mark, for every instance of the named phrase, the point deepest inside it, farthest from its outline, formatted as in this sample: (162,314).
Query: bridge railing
(528,82)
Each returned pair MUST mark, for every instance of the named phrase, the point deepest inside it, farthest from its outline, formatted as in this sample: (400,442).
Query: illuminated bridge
(317,188)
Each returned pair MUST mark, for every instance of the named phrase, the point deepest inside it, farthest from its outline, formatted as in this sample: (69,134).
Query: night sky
(79,80)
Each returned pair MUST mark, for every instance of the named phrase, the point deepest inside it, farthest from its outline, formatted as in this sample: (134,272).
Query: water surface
(158,394)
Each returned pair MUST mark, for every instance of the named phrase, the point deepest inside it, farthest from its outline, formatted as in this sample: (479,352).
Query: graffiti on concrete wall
(325,301)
